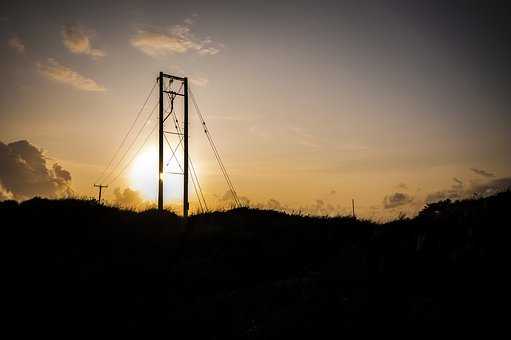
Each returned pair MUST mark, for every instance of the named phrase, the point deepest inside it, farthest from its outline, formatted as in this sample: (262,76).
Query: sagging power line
(111,173)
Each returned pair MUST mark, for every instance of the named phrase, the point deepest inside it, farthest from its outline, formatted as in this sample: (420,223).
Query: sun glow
(143,177)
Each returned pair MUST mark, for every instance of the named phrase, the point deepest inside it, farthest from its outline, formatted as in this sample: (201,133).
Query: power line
(195,179)
(215,151)
(131,145)
(181,168)
(135,155)
(126,135)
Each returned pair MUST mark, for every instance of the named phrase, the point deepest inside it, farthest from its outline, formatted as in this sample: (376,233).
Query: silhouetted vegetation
(75,266)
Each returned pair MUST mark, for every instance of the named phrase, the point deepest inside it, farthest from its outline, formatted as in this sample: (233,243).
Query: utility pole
(160,144)
(161,78)
(100,188)
(185,168)
(353,207)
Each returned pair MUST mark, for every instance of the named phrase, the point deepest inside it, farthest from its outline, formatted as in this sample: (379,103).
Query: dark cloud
(23,173)
(396,199)
(61,173)
(483,173)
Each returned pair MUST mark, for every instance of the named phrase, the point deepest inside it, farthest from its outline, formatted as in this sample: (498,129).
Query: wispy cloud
(77,39)
(53,70)
(16,44)
(483,173)
(171,40)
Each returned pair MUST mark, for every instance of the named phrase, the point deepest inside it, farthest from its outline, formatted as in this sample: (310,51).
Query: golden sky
(310,105)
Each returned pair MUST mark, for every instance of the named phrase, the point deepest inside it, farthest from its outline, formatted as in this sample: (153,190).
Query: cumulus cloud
(396,199)
(53,70)
(228,198)
(483,173)
(5,194)
(128,198)
(24,173)
(77,39)
(176,39)
(16,44)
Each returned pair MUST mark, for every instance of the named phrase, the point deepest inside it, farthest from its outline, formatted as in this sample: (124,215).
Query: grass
(76,266)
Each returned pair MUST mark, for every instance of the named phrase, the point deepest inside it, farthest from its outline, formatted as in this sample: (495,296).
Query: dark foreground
(75,267)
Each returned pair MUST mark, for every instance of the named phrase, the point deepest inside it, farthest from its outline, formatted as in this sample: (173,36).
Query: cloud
(455,192)
(128,198)
(396,199)
(228,198)
(77,39)
(458,181)
(16,44)
(60,73)
(176,39)
(492,187)
(61,173)
(483,173)
(460,191)
(24,174)
(5,194)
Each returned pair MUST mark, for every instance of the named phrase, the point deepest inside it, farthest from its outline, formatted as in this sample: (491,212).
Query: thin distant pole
(100,188)
(353,207)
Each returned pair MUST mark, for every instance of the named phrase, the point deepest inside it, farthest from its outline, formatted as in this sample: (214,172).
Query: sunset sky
(391,103)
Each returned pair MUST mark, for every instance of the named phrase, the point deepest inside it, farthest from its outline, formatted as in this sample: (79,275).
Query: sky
(311,103)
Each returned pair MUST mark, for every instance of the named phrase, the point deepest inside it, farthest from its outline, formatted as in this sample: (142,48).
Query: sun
(143,177)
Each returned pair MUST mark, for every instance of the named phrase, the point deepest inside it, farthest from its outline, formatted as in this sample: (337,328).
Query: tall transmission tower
(161,120)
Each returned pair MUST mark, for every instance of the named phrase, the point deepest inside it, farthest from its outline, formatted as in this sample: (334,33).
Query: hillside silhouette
(75,267)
